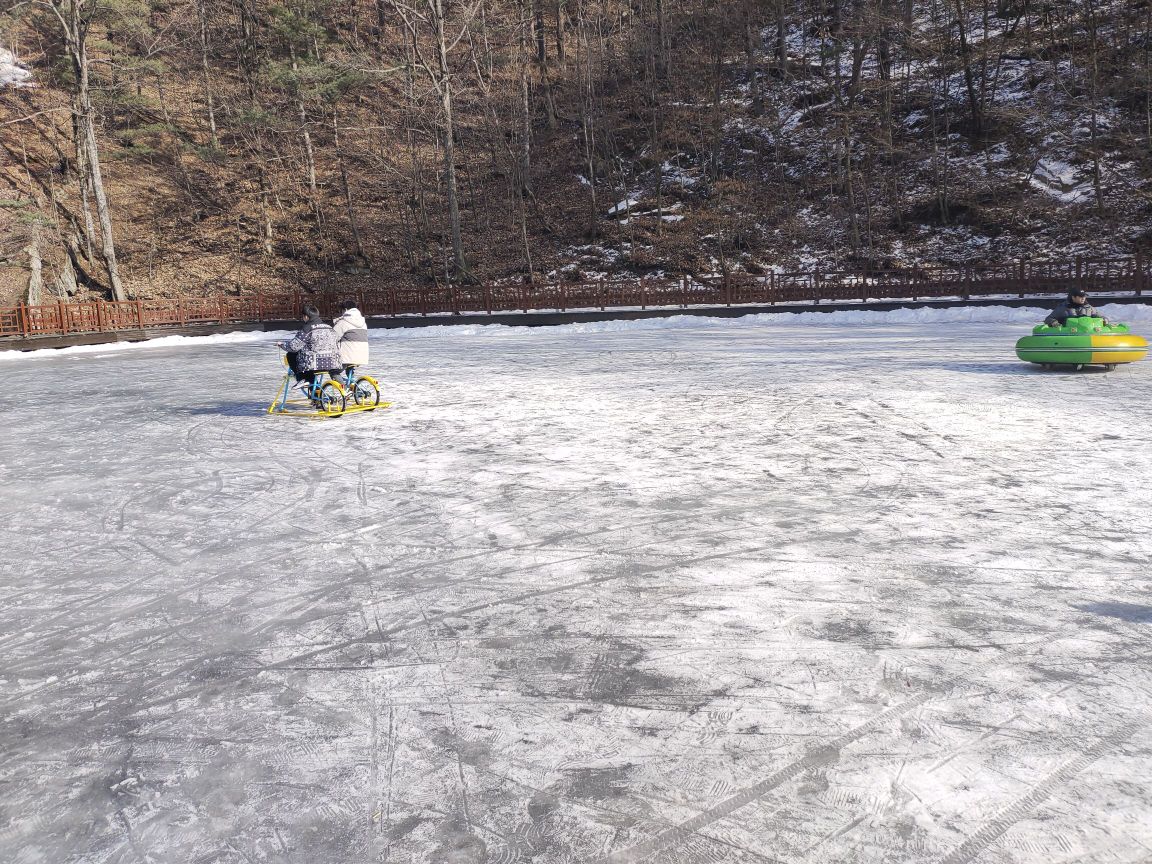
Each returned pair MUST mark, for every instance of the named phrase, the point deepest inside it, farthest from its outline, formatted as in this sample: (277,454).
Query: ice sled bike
(329,396)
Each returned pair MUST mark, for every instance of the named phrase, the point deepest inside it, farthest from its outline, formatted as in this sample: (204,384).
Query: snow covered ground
(717,591)
(12,74)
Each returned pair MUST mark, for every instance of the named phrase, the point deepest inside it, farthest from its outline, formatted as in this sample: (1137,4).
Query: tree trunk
(352,224)
(751,49)
(201,13)
(717,120)
(538,32)
(782,39)
(76,36)
(459,265)
(850,187)
(309,151)
(35,270)
(559,7)
(541,61)
(969,78)
(265,216)
(661,41)
(84,177)
(588,127)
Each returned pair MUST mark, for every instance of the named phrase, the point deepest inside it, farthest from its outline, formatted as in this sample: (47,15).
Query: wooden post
(62,316)
(1139,284)
(818,284)
(140,314)
(22,317)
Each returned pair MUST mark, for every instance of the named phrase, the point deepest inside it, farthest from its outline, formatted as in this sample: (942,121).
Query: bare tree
(75,18)
(428,21)
(202,27)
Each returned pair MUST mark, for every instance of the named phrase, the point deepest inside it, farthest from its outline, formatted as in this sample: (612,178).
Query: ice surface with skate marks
(697,591)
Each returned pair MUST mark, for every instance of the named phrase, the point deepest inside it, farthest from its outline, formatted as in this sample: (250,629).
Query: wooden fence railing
(1129,275)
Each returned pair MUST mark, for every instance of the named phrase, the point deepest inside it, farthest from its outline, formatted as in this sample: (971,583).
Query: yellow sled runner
(329,397)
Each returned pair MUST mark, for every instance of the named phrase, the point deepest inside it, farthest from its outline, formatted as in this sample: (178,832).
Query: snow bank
(1133,313)
(965,315)
(956,315)
(161,342)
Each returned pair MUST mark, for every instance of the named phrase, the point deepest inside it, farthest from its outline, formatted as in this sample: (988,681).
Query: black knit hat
(1077,292)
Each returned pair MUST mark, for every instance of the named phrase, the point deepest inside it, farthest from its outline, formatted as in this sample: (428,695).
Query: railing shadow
(1133,613)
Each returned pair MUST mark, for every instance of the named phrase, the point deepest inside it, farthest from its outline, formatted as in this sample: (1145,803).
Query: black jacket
(1067,310)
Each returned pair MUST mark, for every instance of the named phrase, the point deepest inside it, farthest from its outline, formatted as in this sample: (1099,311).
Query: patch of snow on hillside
(12,74)
(675,174)
(1060,180)
(623,206)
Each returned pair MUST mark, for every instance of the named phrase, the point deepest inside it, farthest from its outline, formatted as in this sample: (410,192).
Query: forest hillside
(150,148)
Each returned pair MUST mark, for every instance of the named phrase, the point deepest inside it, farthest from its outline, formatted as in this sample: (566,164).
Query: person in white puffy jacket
(351,336)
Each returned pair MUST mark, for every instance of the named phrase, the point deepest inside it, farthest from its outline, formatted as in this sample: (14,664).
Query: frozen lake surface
(707,594)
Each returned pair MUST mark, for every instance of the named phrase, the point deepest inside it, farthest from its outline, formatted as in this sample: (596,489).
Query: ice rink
(742,592)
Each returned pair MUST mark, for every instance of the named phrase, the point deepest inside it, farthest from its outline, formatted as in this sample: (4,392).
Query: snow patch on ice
(271,337)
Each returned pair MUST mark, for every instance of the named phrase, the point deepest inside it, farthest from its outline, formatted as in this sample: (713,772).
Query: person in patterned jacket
(312,350)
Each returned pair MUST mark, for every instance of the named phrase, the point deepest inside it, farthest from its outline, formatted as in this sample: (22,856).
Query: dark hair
(348,304)
(311,311)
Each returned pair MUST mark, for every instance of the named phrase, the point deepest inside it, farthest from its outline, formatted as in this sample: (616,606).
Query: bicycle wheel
(332,399)
(365,393)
